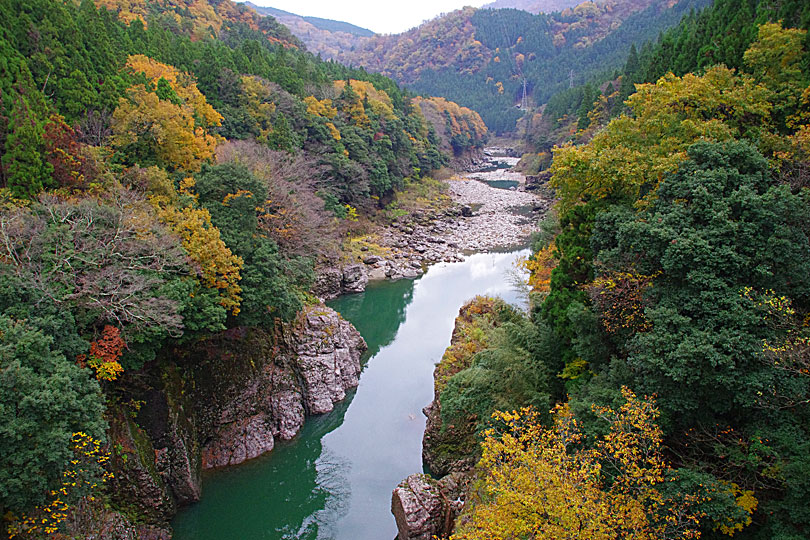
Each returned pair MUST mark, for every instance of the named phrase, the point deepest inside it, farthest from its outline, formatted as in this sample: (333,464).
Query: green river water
(334,480)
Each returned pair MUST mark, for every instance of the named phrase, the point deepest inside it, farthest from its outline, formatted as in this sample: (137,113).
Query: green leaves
(44,399)
(718,224)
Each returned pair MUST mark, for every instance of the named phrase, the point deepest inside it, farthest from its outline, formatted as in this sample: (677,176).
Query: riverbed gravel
(482,218)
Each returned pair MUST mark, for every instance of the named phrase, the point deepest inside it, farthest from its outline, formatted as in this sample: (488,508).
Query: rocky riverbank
(214,403)
(423,505)
(479,218)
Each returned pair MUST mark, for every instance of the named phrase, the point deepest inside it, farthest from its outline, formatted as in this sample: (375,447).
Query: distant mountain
(318,22)
(533,6)
(321,36)
(497,61)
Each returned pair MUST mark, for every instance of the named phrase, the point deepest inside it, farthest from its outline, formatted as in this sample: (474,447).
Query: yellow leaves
(322,108)
(333,130)
(546,484)
(540,266)
(460,119)
(84,473)
(747,502)
(176,134)
(633,153)
(201,240)
(379,100)
(619,297)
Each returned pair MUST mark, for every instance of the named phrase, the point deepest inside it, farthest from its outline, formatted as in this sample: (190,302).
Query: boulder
(417,507)
(372,259)
(355,278)
(424,507)
(328,282)
(377,273)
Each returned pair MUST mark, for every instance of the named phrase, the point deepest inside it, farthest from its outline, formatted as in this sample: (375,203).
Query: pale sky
(382,16)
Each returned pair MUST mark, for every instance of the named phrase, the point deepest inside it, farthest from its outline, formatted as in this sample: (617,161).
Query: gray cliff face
(327,350)
(223,401)
(316,361)
(331,281)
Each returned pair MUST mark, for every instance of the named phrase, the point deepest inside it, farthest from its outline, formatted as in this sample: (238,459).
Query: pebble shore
(482,218)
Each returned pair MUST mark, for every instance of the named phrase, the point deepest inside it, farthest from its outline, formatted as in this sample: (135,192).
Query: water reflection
(334,481)
(387,301)
(280,495)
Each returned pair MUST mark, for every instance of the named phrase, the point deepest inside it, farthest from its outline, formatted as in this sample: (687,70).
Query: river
(334,480)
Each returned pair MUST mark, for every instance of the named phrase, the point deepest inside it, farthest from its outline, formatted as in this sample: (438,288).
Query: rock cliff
(220,402)
(425,508)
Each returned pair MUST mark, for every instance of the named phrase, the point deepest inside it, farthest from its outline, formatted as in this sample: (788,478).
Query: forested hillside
(533,6)
(499,61)
(169,170)
(668,333)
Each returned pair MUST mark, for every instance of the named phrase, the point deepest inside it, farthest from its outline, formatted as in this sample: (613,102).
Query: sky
(381,16)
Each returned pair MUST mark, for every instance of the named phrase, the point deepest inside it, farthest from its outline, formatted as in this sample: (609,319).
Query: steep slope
(498,61)
(321,36)
(318,22)
(171,174)
(199,19)
(533,6)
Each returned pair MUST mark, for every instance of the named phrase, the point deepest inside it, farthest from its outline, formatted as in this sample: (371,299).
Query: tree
(26,172)
(108,261)
(628,159)
(218,266)
(64,153)
(549,483)
(236,199)
(775,59)
(718,225)
(44,399)
(173,132)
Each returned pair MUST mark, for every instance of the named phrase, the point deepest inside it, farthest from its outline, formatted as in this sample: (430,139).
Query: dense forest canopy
(501,61)
(169,170)
(669,327)
(174,170)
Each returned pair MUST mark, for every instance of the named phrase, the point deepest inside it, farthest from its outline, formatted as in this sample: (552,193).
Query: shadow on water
(263,498)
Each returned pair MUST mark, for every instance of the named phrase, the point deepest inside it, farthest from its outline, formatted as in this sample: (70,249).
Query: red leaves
(63,152)
(109,346)
(104,354)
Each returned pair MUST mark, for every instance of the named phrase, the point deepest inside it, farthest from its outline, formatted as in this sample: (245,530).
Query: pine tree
(26,172)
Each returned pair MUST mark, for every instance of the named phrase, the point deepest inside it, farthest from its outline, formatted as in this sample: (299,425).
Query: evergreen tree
(27,173)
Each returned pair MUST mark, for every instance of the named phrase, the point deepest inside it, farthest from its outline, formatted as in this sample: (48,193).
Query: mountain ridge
(320,23)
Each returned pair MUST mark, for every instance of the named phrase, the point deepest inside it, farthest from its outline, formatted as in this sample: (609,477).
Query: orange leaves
(540,266)
(201,240)
(177,134)
(105,353)
(619,297)
(460,119)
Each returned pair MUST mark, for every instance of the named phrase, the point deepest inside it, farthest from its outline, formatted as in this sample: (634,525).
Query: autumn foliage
(105,353)
(548,483)
(174,133)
